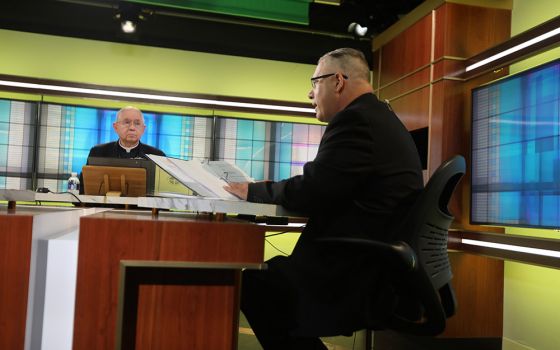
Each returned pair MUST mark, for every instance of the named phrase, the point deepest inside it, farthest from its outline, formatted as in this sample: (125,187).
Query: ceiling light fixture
(130,16)
(513,49)
(510,247)
(155,97)
(128,26)
(357,30)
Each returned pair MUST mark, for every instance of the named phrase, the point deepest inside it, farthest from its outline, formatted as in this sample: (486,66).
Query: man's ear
(339,82)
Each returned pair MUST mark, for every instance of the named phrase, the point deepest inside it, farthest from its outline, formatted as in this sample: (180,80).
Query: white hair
(129,108)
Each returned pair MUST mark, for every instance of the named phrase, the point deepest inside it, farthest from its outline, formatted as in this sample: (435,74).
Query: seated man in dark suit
(366,173)
(130,127)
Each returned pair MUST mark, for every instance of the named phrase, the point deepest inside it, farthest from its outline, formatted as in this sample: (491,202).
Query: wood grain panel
(165,313)
(479,287)
(414,81)
(163,308)
(446,68)
(447,137)
(409,51)
(211,241)
(440,35)
(413,109)
(103,243)
(375,69)
(15,255)
(436,127)
(464,31)
(453,138)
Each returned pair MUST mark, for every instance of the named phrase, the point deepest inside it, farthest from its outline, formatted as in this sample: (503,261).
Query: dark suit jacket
(114,150)
(366,171)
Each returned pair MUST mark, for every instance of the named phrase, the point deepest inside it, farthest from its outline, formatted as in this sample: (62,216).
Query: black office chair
(416,263)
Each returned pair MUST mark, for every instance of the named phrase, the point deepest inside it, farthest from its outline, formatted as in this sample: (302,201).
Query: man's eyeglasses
(128,123)
(314,80)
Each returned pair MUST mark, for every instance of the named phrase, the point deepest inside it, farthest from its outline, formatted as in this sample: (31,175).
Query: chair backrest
(422,235)
(414,294)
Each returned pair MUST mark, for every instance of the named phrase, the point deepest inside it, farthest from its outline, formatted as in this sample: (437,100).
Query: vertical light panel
(265,150)
(69,132)
(17,129)
(268,150)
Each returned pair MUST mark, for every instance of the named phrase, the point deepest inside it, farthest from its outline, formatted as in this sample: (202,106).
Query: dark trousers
(269,304)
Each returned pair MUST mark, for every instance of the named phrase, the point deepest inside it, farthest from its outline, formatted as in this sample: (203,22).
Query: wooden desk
(29,241)
(195,316)
(189,203)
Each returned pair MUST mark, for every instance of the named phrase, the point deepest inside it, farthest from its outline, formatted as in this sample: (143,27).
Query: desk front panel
(26,233)
(15,257)
(169,316)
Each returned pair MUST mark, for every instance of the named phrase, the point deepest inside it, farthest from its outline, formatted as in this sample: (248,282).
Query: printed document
(206,179)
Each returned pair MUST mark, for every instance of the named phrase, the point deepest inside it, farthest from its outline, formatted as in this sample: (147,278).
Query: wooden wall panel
(15,256)
(413,109)
(409,51)
(448,97)
(447,131)
(479,288)
(375,69)
(435,156)
(447,68)
(411,82)
(440,35)
(463,30)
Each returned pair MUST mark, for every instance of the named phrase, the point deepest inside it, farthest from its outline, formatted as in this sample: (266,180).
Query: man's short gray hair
(351,61)
(126,109)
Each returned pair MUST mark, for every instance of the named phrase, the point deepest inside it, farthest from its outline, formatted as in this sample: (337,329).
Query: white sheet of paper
(192,174)
(227,171)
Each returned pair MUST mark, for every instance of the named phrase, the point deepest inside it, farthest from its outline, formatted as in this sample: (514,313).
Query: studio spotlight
(357,30)
(128,26)
(129,17)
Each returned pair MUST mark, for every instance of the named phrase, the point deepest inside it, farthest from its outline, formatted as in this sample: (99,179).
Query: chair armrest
(399,252)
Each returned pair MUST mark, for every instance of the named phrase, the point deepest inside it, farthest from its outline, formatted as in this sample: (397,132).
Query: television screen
(516,150)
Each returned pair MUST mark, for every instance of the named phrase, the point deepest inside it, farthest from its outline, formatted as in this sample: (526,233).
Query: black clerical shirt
(114,150)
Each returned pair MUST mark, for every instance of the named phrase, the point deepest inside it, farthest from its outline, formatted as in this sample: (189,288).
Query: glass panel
(273,148)
(17,141)
(69,132)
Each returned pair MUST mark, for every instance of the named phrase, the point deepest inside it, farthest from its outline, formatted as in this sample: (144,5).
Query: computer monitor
(420,137)
(148,165)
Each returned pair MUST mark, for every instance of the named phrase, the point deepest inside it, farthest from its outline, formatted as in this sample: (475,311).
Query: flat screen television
(516,150)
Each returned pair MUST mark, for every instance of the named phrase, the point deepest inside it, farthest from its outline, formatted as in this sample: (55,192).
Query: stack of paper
(206,179)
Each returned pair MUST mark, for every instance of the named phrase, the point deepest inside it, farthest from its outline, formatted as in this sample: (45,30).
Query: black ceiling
(205,32)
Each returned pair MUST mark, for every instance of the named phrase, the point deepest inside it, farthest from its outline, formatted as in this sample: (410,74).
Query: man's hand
(239,189)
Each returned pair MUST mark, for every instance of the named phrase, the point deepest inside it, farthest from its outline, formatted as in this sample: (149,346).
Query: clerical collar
(128,149)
